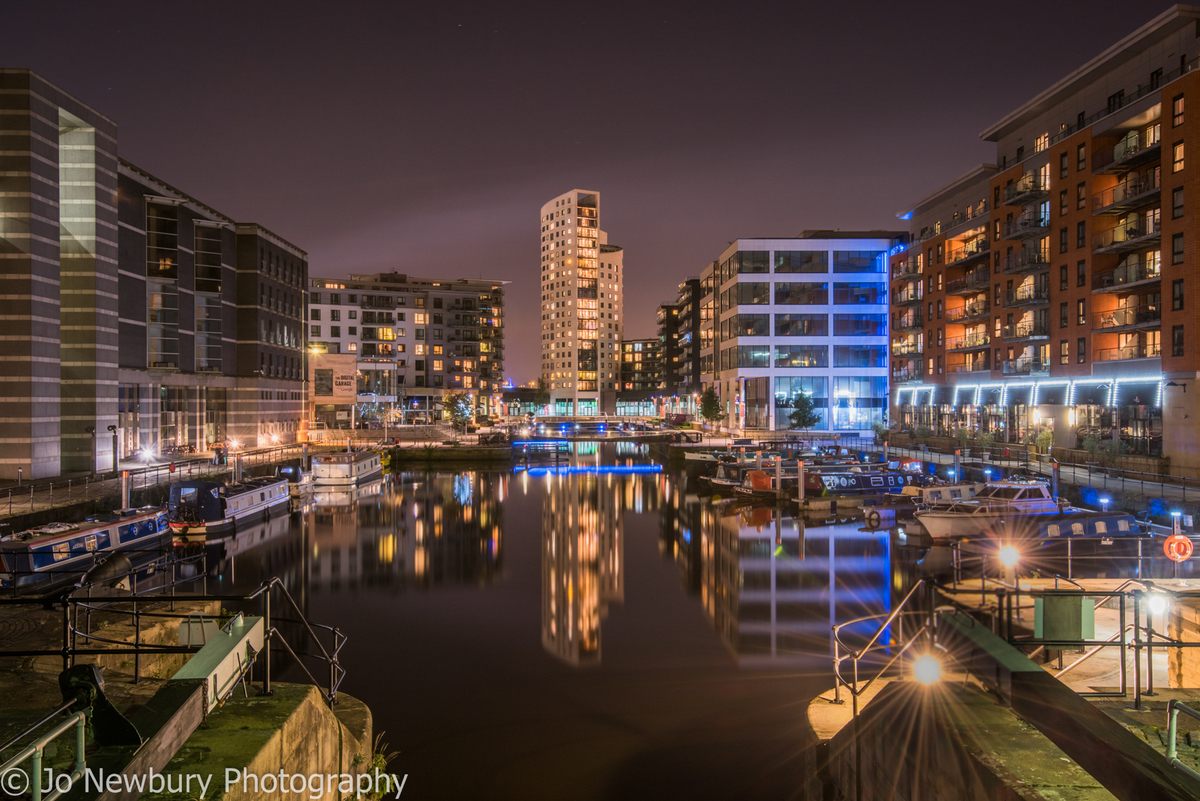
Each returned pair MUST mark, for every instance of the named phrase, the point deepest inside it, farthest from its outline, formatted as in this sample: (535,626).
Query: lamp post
(115,449)
(92,430)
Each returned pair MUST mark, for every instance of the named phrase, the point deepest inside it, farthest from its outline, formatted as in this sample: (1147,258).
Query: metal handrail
(1173,709)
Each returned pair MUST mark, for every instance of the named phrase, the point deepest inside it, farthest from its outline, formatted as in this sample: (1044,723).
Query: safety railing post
(1124,655)
(1137,649)
(267,642)
(1150,650)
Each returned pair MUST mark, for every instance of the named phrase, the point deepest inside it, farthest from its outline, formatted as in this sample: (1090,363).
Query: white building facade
(801,315)
(582,295)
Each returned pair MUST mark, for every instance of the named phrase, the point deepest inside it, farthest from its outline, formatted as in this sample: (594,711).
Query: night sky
(424,137)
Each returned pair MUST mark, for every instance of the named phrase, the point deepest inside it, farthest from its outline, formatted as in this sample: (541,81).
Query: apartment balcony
(906,297)
(972,283)
(967,252)
(1030,188)
(1133,192)
(1027,226)
(968,342)
(1026,367)
(1141,350)
(1129,235)
(976,365)
(907,376)
(1128,318)
(1027,296)
(1026,260)
(909,322)
(1129,275)
(969,312)
(1140,147)
(910,348)
(906,269)
(1026,331)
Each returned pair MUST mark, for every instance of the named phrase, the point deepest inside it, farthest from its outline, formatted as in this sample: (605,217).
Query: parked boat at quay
(59,553)
(200,508)
(300,481)
(997,502)
(348,469)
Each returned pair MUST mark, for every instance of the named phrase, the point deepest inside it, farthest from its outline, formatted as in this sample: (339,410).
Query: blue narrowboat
(60,552)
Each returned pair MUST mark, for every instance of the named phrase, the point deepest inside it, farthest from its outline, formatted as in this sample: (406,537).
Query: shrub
(1044,440)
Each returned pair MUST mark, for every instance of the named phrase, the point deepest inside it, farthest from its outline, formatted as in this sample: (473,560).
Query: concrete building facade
(582,278)
(122,302)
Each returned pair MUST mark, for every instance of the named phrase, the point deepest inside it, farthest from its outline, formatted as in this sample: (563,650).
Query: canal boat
(346,469)
(938,495)
(856,481)
(300,481)
(200,508)
(59,553)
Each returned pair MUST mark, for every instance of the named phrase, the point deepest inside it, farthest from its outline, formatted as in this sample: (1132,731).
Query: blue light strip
(1072,386)
(604,470)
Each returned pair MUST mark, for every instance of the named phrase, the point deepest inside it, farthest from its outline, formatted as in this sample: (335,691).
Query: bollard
(124,489)
(51,493)
(68,490)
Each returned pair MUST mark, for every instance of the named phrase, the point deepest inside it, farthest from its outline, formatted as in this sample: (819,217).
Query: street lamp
(927,669)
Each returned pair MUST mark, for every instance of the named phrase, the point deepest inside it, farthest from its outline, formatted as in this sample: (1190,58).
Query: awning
(1017,394)
(1053,394)
(1088,392)
(1137,393)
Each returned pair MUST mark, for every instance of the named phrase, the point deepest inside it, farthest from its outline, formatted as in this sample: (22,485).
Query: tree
(458,409)
(804,415)
(542,396)
(710,406)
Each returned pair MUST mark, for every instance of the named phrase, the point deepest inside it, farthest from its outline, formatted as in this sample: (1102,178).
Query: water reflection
(582,563)
(409,530)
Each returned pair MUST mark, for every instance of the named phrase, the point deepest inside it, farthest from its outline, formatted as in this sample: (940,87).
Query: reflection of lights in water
(464,487)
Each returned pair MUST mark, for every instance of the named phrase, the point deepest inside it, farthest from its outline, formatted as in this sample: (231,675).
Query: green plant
(804,414)
(710,406)
(458,409)
(922,433)
(963,436)
(1045,439)
(985,439)
(1111,450)
(881,431)
(1091,444)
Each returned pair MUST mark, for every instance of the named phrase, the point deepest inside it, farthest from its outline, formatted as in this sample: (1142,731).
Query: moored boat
(998,505)
(199,508)
(346,468)
(61,552)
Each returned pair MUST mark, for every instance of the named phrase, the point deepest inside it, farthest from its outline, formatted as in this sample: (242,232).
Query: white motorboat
(346,469)
(988,512)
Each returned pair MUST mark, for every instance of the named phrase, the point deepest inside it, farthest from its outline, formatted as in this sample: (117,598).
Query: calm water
(601,632)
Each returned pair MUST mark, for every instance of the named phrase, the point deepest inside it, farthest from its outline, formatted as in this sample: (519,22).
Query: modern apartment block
(582,280)
(416,340)
(779,317)
(122,302)
(640,365)
(1053,289)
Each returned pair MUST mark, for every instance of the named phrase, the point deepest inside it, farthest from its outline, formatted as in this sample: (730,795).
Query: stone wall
(1183,623)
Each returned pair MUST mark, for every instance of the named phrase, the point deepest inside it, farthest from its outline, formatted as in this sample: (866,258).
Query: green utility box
(1064,617)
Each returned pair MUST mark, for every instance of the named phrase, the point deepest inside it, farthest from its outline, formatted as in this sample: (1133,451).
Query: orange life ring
(1177,548)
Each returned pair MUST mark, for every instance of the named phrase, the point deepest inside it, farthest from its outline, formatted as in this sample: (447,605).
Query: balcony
(1130,274)
(971,311)
(906,268)
(1026,330)
(1132,192)
(1030,188)
(906,376)
(1026,367)
(968,251)
(972,283)
(910,348)
(909,322)
(968,342)
(1129,235)
(1128,318)
(1141,350)
(969,365)
(907,297)
(1027,226)
(1026,260)
(1139,147)
(1027,296)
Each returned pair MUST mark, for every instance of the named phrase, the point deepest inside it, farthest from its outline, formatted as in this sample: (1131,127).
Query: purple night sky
(425,137)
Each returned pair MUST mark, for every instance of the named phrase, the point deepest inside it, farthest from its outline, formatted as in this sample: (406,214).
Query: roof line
(966,177)
(1124,47)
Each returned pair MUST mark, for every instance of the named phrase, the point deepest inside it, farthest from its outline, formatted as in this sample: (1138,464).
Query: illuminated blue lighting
(603,470)
(905,216)
(687,536)
(988,472)
(1176,514)
(950,473)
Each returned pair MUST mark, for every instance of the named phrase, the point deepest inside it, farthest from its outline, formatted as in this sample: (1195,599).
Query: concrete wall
(1183,623)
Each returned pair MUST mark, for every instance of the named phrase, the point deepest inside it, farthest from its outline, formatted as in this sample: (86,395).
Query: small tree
(804,415)
(1091,444)
(985,439)
(541,397)
(1111,450)
(458,409)
(963,435)
(881,430)
(710,406)
(1045,439)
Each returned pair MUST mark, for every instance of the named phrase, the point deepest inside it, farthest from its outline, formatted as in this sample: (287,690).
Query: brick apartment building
(1055,289)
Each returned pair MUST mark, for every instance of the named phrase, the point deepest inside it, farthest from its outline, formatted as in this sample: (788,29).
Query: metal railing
(1028,293)
(1143,314)
(968,311)
(1126,233)
(1026,225)
(1026,259)
(1029,186)
(1173,709)
(34,754)
(968,342)
(1127,190)
(976,279)
(1027,330)
(1129,271)
(1143,350)
(979,246)
(1134,144)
